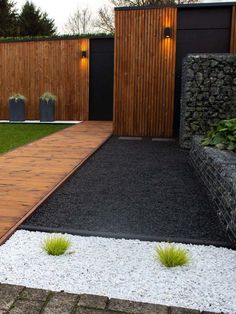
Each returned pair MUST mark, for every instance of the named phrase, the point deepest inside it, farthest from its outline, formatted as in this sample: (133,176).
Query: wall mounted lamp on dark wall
(84,54)
(167,32)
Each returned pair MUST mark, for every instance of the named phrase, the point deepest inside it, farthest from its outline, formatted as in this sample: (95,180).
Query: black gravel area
(136,188)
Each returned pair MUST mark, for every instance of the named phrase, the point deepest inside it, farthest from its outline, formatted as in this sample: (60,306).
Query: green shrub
(170,256)
(222,135)
(48,96)
(56,245)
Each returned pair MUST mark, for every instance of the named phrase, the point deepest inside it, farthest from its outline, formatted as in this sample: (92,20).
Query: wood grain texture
(32,172)
(32,68)
(233,31)
(144,72)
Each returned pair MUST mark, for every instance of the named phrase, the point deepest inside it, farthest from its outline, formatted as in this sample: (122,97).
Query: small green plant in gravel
(56,245)
(171,256)
(222,135)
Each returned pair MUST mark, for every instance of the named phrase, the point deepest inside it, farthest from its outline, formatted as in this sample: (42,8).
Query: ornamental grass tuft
(171,256)
(56,245)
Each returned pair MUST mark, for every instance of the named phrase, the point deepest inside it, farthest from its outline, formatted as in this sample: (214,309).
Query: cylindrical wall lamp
(167,32)
(84,54)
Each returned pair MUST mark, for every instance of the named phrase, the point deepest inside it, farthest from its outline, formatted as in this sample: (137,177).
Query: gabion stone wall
(217,170)
(208,93)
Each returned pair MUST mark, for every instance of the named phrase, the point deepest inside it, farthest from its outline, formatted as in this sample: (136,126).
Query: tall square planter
(47,110)
(16,109)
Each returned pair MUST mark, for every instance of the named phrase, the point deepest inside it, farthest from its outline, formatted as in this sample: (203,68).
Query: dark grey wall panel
(199,30)
(101,79)
(200,18)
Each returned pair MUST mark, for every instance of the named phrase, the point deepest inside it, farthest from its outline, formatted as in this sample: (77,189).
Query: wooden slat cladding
(32,68)
(144,72)
(233,31)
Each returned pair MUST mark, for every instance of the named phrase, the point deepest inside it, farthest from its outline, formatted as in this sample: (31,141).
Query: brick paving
(22,300)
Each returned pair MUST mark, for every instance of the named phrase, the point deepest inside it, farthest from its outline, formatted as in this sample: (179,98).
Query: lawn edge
(38,139)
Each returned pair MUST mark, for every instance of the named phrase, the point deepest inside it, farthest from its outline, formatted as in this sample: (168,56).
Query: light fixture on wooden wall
(167,32)
(84,54)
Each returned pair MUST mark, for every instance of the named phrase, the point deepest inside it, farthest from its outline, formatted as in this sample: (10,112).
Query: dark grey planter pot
(16,110)
(47,110)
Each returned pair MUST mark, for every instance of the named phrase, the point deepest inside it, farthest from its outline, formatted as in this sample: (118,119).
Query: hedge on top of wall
(54,37)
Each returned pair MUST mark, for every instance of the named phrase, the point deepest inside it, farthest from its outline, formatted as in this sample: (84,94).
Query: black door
(101,79)
(199,30)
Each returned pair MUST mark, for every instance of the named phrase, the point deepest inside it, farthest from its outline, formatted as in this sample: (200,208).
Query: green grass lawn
(15,135)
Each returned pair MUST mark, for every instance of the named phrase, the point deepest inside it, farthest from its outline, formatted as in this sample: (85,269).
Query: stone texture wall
(208,93)
(217,170)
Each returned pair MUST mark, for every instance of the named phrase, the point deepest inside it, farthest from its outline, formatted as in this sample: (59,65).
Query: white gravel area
(123,269)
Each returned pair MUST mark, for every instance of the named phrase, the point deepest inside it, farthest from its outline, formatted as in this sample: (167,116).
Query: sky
(61,10)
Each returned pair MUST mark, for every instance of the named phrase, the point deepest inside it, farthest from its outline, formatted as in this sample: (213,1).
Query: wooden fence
(144,72)
(233,31)
(32,68)
(144,75)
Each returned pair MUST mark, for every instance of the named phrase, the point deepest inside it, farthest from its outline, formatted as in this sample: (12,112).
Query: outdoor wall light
(84,54)
(167,32)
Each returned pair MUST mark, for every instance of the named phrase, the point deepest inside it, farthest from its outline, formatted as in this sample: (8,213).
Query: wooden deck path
(29,174)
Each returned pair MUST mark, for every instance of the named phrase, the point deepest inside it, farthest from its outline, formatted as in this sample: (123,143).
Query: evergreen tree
(34,22)
(8,19)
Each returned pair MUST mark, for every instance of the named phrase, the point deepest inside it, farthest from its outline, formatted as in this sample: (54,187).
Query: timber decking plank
(32,172)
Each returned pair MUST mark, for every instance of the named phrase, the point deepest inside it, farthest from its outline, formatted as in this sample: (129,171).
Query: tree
(8,18)
(80,22)
(105,18)
(34,22)
(149,2)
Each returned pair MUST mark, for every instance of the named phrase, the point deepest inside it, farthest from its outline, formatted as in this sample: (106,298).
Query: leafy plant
(56,245)
(171,256)
(48,96)
(17,97)
(222,135)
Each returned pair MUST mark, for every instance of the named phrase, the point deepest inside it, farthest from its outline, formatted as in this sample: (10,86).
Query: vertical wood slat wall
(34,67)
(233,31)
(144,72)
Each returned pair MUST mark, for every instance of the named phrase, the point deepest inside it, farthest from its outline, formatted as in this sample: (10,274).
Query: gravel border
(123,269)
(144,189)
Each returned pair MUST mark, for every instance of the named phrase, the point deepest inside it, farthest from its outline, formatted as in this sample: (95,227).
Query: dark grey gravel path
(136,188)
